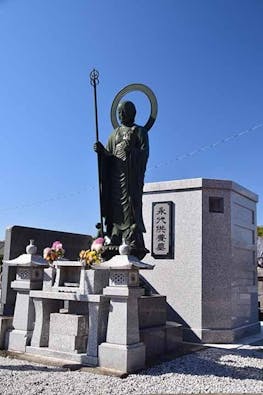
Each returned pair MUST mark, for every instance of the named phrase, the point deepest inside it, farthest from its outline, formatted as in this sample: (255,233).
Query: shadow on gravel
(213,362)
(25,368)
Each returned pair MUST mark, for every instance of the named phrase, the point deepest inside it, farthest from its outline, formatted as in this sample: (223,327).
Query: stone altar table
(50,302)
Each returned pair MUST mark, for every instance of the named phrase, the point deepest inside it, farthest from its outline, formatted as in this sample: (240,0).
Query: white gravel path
(207,371)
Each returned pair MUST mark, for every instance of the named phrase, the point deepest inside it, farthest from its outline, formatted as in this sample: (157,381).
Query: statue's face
(126,113)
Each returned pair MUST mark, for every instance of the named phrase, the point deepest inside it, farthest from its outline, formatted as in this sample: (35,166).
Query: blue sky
(203,59)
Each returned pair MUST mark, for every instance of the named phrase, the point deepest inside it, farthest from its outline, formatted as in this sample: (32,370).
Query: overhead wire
(203,148)
(207,147)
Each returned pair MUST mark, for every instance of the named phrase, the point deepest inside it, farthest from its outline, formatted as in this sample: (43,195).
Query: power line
(61,196)
(54,198)
(208,146)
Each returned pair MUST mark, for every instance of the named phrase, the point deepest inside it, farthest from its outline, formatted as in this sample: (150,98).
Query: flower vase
(49,278)
(31,248)
(92,281)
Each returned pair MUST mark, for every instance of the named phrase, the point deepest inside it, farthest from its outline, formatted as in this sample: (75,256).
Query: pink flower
(97,244)
(57,245)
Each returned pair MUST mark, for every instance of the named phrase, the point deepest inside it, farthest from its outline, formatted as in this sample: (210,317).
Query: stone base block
(229,335)
(154,340)
(161,339)
(18,340)
(122,358)
(152,311)
(69,324)
(65,356)
(68,332)
(5,324)
(68,343)
(174,335)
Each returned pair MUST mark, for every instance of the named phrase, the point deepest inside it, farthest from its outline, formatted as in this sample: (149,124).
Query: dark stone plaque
(162,230)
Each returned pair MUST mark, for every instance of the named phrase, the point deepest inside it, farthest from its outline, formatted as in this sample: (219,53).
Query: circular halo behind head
(130,88)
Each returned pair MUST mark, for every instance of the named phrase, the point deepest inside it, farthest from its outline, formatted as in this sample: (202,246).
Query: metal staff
(94,80)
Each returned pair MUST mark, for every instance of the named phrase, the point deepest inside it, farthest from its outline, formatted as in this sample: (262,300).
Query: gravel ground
(207,371)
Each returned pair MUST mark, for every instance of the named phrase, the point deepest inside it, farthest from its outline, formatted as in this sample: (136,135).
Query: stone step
(162,339)
(152,311)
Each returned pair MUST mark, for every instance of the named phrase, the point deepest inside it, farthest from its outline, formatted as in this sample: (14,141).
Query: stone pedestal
(23,322)
(98,319)
(43,310)
(123,350)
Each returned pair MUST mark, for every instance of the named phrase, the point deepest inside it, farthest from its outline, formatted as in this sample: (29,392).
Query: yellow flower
(90,257)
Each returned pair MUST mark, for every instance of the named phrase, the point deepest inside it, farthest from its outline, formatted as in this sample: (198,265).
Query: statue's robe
(122,183)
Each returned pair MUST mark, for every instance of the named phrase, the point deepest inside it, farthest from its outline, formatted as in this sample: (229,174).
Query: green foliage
(260,231)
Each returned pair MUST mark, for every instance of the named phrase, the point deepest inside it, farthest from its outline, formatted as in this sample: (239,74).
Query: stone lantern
(123,351)
(29,275)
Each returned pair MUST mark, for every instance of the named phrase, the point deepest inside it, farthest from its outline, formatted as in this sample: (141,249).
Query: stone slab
(65,356)
(126,359)
(230,335)
(66,296)
(123,291)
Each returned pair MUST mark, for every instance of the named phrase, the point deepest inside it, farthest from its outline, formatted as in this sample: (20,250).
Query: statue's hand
(98,147)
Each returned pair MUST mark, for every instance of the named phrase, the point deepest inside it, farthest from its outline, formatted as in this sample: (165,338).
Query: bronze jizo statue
(123,164)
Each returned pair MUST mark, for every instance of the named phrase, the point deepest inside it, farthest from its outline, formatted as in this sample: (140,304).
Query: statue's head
(126,111)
